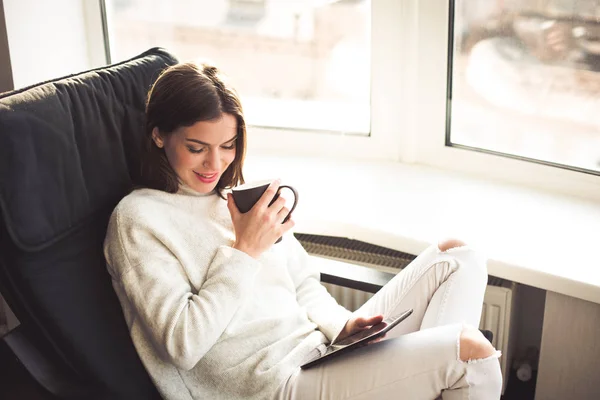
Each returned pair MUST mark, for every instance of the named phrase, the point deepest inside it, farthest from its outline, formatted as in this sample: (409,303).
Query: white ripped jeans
(419,359)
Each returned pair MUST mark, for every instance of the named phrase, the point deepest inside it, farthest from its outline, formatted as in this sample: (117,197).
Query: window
(397,63)
(525,79)
(289,59)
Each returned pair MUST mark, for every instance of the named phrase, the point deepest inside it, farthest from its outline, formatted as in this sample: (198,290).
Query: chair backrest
(69,151)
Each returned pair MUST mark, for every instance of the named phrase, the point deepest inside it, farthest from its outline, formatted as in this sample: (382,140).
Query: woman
(217,311)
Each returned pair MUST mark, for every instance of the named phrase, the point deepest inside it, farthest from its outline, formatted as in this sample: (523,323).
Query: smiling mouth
(206,178)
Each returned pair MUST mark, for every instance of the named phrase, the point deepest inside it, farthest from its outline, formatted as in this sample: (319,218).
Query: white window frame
(95,35)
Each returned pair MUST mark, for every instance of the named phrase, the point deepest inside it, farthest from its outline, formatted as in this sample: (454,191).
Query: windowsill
(536,238)
(347,117)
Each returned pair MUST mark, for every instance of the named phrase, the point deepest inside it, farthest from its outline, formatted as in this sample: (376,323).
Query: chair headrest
(70,147)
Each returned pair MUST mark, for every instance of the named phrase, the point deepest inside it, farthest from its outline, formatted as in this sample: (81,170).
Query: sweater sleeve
(320,306)
(183,322)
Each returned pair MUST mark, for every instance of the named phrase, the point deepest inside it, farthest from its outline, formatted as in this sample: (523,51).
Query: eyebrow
(208,144)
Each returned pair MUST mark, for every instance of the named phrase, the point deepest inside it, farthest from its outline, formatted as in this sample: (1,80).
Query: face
(200,154)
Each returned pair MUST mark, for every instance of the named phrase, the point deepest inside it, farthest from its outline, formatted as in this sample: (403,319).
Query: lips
(207,177)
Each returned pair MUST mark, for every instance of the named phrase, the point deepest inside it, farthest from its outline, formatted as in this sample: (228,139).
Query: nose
(212,159)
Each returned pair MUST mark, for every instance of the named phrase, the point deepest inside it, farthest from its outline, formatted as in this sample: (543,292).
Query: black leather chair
(69,151)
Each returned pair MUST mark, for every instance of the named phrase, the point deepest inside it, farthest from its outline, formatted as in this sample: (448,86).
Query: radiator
(496,316)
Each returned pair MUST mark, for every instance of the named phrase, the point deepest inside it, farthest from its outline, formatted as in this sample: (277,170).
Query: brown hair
(182,95)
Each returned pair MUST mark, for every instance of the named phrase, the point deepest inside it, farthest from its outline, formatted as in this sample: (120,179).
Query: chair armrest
(42,370)
(352,276)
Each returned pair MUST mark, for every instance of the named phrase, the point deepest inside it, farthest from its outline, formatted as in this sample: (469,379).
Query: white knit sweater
(209,321)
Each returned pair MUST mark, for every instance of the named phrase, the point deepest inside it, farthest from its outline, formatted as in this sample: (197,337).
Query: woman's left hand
(357,324)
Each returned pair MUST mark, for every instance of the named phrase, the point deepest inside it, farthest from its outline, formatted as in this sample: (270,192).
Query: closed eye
(195,151)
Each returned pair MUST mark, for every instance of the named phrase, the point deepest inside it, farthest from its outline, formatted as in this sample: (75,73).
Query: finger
(379,339)
(282,214)
(278,204)
(370,321)
(233,209)
(268,195)
(289,224)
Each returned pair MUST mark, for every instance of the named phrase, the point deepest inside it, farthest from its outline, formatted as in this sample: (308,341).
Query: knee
(474,346)
(448,244)
(467,259)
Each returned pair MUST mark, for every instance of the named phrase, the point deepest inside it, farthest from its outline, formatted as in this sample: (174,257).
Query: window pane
(301,64)
(526,79)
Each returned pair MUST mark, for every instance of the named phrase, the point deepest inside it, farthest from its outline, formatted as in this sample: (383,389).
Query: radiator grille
(357,252)
(354,250)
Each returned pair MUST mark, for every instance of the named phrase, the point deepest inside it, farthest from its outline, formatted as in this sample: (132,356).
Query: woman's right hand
(258,229)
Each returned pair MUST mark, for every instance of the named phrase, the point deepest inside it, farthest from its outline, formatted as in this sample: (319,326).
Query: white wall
(46,39)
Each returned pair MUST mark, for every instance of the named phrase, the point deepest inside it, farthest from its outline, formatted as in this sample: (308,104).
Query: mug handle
(295,200)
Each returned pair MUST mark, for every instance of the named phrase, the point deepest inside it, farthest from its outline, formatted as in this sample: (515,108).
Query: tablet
(359,339)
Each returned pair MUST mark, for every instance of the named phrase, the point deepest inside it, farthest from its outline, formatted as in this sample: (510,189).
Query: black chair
(69,151)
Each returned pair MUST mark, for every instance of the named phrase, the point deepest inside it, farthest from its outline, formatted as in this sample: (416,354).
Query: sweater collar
(186,190)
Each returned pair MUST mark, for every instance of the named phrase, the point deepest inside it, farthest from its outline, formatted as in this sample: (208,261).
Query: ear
(158,140)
